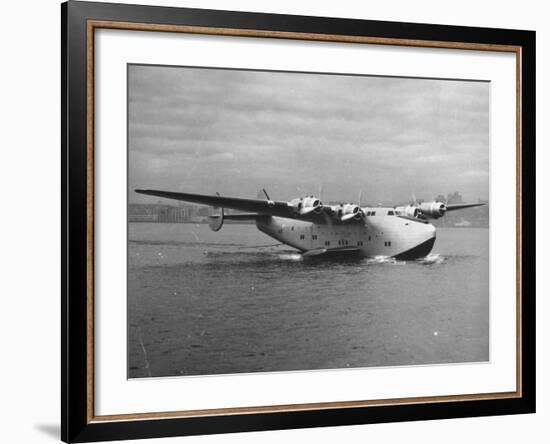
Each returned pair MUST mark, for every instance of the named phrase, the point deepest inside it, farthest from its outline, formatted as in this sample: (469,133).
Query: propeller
(309,205)
(351,212)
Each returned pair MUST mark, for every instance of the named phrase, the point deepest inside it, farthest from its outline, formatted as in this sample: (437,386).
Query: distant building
(454,198)
(162,213)
(203,211)
(142,213)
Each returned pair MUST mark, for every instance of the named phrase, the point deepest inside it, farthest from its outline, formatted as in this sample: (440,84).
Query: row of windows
(343,242)
(280,231)
(368,213)
(340,242)
(373,213)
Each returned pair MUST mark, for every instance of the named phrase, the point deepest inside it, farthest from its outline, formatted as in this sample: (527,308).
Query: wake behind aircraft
(305,223)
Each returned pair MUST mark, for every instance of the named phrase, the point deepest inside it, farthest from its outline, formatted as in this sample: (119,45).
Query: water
(231,302)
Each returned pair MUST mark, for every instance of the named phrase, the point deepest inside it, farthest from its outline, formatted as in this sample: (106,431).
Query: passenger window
(391,213)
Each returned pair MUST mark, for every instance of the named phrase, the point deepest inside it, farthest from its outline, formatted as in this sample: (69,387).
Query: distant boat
(463,223)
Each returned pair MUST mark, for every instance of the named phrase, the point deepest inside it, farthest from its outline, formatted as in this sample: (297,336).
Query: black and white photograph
(291,221)
(277,221)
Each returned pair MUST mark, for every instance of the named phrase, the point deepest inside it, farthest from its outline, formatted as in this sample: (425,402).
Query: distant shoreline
(240,222)
(201,222)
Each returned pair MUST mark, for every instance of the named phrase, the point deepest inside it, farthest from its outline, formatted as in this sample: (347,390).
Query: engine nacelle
(309,205)
(410,211)
(350,211)
(432,210)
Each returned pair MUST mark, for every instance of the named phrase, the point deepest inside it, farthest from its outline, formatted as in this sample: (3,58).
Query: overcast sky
(232,131)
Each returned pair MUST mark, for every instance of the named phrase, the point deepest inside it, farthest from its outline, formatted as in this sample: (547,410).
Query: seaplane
(315,229)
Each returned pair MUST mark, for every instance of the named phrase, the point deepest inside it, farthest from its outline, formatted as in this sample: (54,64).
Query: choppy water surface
(230,302)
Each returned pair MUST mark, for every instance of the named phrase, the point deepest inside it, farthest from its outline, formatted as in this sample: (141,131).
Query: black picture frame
(77,425)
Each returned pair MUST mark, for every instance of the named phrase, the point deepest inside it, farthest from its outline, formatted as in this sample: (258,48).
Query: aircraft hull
(390,236)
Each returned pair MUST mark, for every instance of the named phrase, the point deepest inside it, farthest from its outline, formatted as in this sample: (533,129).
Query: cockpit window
(391,213)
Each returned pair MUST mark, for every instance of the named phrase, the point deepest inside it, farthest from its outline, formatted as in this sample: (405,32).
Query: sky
(235,132)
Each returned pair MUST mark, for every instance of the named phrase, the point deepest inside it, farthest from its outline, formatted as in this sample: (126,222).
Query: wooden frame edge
(284,408)
(236,32)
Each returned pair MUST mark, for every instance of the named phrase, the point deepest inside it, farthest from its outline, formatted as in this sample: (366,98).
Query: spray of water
(432,259)
(295,257)
(381,260)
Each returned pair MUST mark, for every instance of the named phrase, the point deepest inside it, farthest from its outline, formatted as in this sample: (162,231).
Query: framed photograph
(276,221)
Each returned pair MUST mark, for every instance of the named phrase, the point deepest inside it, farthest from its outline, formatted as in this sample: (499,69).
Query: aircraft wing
(453,207)
(267,207)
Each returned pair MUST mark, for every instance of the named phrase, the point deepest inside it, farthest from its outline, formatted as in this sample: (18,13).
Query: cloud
(203,130)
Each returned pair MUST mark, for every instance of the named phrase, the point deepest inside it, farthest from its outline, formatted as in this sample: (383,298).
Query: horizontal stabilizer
(244,216)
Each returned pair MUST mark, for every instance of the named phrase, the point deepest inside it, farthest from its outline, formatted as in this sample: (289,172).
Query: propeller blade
(326,216)
(349,216)
(307,210)
(453,207)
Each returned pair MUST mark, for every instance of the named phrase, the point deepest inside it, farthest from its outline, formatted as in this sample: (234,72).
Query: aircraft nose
(430,231)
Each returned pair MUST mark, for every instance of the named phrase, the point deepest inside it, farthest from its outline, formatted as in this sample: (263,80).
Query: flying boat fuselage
(378,234)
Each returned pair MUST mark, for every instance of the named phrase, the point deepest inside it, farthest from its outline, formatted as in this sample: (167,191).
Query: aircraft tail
(244,216)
